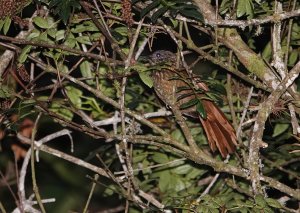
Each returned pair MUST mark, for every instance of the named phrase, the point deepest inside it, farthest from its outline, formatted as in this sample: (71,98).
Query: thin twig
(96,177)
(33,174)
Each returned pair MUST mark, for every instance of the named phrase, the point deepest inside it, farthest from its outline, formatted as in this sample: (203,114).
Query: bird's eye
(158,55)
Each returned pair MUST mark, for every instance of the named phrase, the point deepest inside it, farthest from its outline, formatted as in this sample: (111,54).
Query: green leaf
(52,32)
(160,158)
(43,37)
(273,203)
(186,95)
(139,157)
(150,7)
(260,200)
(158,13)
(64,8)
(174,22)
(4,92)
(192,14)
(279,129)
(225,6)
(79,29)
(86,71)
(34,34)
(177,135)
(190,103)
(95,36)
(176,184)
(146,78)
(293,57)
(183,169)
(267,210)
(60,34)
(24,54)
(70,41)
(201,110)
(75,96)
(83,40)
(179,89)
(164,180)
(1,24)
(65,113)
(41,22)
(245,7)
(195,173)
(267,52)
(6,26)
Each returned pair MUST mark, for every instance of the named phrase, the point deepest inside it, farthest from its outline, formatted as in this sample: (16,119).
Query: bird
(172,86)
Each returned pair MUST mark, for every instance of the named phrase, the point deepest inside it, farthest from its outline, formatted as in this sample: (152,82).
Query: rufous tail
(219,132)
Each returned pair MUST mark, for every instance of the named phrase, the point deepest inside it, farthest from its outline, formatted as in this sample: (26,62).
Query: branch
(62,47)
(103,29)
(244,23)
(258,129)
(231,38)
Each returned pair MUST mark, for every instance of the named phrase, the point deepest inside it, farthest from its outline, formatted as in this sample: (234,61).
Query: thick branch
(230,37)
(258,130)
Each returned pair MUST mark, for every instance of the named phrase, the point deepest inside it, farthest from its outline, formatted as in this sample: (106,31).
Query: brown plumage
(167,84)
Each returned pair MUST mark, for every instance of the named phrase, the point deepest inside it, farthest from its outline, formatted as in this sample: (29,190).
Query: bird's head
(161,57)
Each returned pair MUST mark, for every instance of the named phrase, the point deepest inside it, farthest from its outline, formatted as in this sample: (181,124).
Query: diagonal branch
(258,129)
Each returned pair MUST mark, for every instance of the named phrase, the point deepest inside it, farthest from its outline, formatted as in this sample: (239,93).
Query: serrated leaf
(146,79)
(190,103)
(279,129)
(201,110)
(150,7)
(158,14)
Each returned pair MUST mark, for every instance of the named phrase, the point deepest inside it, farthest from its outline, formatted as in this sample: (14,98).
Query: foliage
(86,76)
